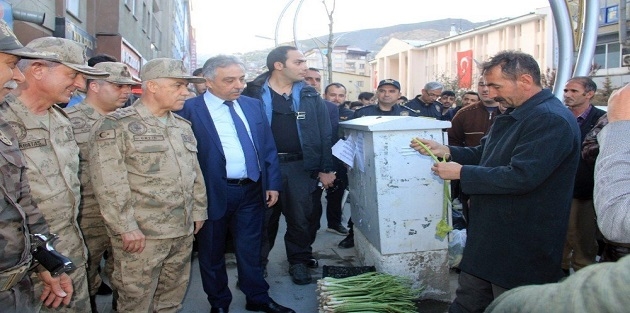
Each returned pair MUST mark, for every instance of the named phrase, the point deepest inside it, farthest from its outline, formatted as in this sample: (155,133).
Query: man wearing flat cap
(103,96)
(46,139)
(18,210)
(148,183)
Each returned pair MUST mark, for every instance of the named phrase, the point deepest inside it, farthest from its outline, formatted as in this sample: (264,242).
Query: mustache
(499,99)
(10,84)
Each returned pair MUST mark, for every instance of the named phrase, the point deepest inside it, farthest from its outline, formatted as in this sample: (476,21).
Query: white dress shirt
(220,114)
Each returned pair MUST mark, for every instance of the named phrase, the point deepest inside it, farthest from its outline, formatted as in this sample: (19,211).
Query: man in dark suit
(239,161)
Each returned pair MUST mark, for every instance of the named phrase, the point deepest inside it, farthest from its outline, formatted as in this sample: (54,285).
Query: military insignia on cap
(5,139)
(19,129)
(404,113)
(137,128)
(77,122)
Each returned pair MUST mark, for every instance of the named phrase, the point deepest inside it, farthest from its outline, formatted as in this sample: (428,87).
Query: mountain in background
(367,39)
(375,38)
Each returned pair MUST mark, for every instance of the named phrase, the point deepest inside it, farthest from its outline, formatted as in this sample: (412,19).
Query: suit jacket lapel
(204,115)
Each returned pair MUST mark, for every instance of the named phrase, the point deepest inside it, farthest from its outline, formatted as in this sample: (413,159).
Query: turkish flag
(464,68)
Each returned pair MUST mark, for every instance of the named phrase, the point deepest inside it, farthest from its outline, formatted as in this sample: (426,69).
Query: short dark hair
(356,104)
(313,69)
(198,71)
(403,98)
(474,93)
(514,64)
(366,95)
(338,85)
(278,54)
(101,58)
(447,93)
(586,82)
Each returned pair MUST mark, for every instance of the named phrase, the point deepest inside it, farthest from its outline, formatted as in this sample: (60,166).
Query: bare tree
(329,46)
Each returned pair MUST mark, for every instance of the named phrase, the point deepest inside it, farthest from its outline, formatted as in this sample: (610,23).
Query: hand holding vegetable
(447,170)
(437,149)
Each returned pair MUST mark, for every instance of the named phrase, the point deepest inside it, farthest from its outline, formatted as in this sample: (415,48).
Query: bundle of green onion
(368,292)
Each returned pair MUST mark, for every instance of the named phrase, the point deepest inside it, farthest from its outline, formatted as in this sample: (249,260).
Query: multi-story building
(350,66)
(133,31)
(415,63)
(612,52)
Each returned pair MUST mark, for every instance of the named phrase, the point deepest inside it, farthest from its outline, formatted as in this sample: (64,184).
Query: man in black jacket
(580,247)
(301,128)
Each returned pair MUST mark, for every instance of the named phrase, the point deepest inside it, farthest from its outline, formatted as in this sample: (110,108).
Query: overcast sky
(232,26)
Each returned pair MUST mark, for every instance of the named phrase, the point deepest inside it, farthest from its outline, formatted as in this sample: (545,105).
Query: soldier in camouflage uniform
(18,211)
(103,96)
(147,181)
(46,140)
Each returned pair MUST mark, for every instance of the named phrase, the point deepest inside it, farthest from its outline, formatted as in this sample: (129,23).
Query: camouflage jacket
(51,153)
(19,216)
(83,117)
(146,174)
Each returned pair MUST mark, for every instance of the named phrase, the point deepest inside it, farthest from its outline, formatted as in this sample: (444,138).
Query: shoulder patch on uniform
(77,122)
(121,113)
(106,134)
(137,128)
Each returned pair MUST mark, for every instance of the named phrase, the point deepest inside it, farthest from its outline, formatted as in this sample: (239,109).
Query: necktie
(251,160)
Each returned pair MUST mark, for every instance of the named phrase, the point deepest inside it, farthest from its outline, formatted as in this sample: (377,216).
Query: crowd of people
(137,183)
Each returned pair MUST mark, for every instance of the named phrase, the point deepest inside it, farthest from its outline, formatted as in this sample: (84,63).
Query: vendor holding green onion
(520,182)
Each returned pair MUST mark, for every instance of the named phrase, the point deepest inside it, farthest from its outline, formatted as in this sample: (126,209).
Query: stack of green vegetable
(368,292)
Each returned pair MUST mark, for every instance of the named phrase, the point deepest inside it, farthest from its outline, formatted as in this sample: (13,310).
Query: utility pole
(330,45)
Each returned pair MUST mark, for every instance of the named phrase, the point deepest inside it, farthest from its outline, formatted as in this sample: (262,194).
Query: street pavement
(302,299)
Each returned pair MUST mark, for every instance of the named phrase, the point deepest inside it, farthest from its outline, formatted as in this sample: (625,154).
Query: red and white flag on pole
(464,68)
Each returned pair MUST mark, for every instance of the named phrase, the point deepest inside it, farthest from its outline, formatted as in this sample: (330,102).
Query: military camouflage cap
(9,44)
(167,68)
(69,53)
(118,73)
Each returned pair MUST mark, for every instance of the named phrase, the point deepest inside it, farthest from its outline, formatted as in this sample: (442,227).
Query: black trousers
(297,198)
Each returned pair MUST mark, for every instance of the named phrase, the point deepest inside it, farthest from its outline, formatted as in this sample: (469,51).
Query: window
(608,55)
(131,6)
(72,6)
(608,12)
(145,18)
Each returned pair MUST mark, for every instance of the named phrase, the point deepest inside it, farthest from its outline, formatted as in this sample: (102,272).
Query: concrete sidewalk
(302,299)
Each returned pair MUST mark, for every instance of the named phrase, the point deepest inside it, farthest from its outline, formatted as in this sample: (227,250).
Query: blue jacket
(212,158)
(520,182)
(314,130)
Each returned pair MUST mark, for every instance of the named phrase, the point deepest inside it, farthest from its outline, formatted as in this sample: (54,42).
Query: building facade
(415,63)
(133,31)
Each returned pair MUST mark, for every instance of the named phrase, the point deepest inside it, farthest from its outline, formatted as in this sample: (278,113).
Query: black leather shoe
(312,263)
(347,242)
(300,274)
(339,230)
(271,307)
(219,310)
